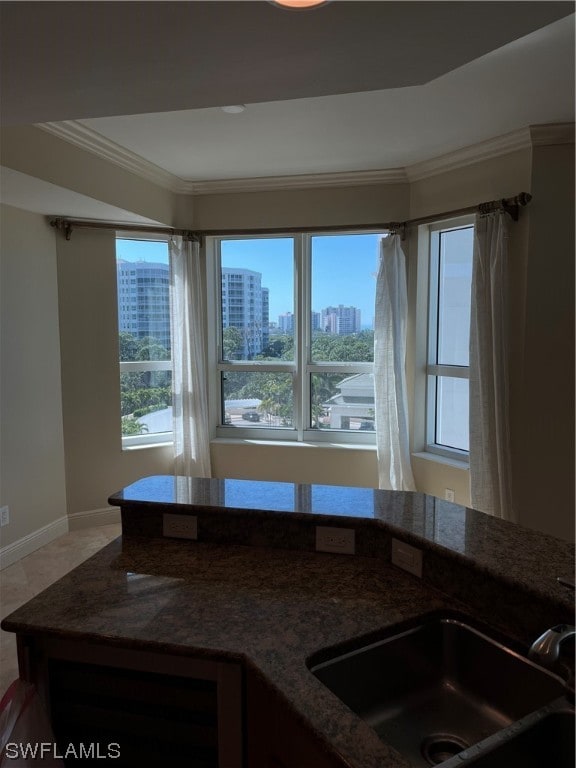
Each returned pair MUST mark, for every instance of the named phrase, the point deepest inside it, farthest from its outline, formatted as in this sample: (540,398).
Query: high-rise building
(286,322)
(265,317)
(245,306)
(144,299)
(341,320)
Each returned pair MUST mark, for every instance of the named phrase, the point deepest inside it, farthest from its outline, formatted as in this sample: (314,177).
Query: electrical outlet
(339,540)
(4,515)
(406,557)
(449,494)
(180,526)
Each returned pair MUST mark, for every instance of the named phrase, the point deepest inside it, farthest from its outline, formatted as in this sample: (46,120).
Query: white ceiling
(352,86)
(70,60)
(528,81)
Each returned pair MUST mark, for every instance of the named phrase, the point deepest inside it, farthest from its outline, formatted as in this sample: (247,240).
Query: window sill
(292,444)
(145,446)
(457,463)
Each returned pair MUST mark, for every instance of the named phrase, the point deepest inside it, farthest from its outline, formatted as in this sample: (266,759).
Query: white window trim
(425,369)
(155,440)
(300,368)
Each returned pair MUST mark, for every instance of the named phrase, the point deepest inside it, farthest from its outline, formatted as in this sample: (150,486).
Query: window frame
(433,369)
(301,368)
(154,439)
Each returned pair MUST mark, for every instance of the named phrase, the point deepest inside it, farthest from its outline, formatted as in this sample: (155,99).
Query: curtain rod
(510,205)
(66,226)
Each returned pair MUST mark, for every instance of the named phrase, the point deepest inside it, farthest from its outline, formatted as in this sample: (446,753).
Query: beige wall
(543,449)
(489,179)
(96,466)
(32,480)
(295,463)
(35,152)
(372,204)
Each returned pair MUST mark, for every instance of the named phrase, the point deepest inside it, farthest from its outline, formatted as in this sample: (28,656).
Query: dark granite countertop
(519,557)
(251,589)
(269,608)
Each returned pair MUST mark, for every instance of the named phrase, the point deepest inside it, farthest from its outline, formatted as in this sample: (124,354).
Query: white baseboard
(11,553)
(105,516)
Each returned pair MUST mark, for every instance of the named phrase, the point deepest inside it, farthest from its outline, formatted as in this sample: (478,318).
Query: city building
(265,317)
(144,299)
(353,406)
(286,322)
(341,320)
(245,305)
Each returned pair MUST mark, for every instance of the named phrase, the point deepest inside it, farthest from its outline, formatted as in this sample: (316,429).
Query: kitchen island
(243,608)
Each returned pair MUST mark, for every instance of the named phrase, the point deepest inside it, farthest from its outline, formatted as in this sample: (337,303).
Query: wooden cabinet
(166,710)
(154,709)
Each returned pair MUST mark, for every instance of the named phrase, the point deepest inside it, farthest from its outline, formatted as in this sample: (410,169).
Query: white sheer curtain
(391,409)
(490,481)
(189,393)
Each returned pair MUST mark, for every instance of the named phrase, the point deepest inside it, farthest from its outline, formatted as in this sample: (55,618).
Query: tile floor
(29,576)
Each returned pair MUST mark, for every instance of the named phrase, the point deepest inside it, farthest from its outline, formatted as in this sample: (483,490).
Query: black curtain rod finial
(62,225)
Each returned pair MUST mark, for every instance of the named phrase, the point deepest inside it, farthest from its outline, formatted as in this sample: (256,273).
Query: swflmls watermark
(48,749)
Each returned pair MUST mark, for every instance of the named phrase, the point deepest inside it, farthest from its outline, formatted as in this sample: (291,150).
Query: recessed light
(234,109)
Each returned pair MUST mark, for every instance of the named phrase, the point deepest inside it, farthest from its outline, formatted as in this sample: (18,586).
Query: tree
(131,426)
(232,343)
(151,349)
(147,390)
(354,348)
(128,345)
(280,347)
(276,395)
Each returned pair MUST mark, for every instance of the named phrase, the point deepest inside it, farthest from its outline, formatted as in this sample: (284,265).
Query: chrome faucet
(546,649)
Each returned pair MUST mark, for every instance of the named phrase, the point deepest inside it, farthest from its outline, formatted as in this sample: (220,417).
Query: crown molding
(80,136)
(75,133)
(535,135)
(302,181)
(475,153)
(550,134)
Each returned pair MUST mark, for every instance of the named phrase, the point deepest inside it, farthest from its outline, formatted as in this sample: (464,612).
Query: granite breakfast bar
(245,606)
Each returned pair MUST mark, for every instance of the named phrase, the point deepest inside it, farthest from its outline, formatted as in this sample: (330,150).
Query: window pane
(452,412)
(342,402)
(343,293)
(257,399)
(455,279)
(143,288)
(257,298)
(143,277)
(146,402)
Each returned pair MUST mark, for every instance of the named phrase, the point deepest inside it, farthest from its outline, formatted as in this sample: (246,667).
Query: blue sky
(142,250)
(343,268)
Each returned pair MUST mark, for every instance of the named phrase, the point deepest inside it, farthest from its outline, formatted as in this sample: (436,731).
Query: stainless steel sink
(435,689)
